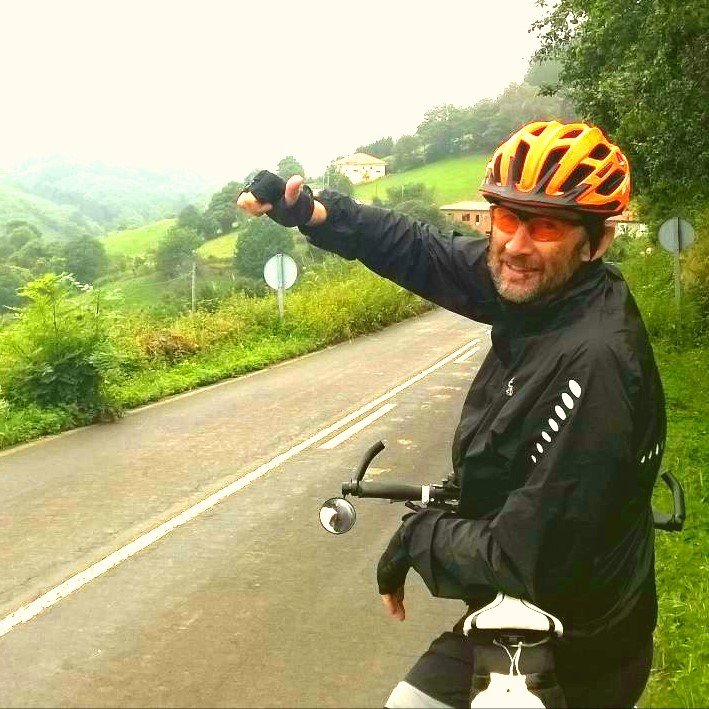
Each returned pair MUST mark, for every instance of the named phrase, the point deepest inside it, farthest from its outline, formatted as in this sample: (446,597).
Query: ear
(603,245)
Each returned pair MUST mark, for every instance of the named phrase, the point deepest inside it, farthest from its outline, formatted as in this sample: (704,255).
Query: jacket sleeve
(579,494)
(449,270)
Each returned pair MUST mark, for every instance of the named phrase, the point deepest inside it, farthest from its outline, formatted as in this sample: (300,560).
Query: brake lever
(412,506)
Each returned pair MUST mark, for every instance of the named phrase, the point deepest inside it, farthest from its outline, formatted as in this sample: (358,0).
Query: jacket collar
(563,306)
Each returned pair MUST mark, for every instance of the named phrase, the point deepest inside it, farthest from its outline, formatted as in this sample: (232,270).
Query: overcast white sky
(221,88)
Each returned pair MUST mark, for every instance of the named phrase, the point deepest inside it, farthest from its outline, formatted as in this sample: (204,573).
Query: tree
(289,166)
(258,241)
(407,192)
(221,214)
(440,131)
(381,148)
(176,251)
(19,232)
(191,218)
(407,153)
(543,73)
(639,70)
(12,278)
(85,258)
(335,180)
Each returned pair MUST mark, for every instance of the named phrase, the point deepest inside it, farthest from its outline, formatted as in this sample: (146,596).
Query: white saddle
(514,613)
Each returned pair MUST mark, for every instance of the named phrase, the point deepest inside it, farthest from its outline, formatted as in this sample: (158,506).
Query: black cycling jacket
(559,441)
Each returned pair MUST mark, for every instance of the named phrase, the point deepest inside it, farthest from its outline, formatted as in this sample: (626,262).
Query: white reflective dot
(642,460)
(568,401)
(575,388)
(657,449)
(539,448)
(553,425)
(534,458)
(546,436)
(649,455)
(560,412)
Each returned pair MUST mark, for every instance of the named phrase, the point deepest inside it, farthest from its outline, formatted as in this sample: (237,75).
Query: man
(561,434)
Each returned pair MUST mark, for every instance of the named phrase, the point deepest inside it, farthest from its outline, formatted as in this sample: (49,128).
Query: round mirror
(337,515)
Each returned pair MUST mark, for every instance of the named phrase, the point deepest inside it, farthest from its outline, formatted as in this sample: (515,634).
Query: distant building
(361,167)
(474,214)
(477,215)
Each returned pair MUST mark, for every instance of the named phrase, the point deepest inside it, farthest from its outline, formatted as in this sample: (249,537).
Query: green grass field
(136,242)
(222,247)
(452,180)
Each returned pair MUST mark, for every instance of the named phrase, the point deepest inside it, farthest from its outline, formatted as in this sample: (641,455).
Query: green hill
(452,180)
(114,197)
(220,248)
(53,220)
(137,242)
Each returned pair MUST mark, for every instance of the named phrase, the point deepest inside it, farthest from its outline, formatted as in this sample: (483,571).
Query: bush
(259,240)
(57,352)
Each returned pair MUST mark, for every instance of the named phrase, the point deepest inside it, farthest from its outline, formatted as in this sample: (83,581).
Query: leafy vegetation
(66,361)
(640,71)
(259,240)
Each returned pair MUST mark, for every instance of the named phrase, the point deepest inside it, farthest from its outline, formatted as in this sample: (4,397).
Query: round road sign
(676,234)
(280,271)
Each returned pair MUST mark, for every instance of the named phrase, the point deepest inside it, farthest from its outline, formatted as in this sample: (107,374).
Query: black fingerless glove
(267,187)
(394,564)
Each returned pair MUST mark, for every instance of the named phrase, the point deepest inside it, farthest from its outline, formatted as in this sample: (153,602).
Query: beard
(526,279)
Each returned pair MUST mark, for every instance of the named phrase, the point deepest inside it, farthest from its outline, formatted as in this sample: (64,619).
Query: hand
(293,188)
(394,604)
(392,568)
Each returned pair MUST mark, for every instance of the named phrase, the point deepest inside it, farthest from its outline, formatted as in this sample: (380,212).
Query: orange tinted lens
(505,220)
(541,229)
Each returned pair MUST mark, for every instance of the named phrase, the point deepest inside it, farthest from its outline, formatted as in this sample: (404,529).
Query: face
(534,252)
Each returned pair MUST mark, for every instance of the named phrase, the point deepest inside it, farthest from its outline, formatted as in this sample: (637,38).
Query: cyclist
(562,431)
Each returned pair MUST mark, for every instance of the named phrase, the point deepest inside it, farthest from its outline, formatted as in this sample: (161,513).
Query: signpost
(676,235)
(280,273)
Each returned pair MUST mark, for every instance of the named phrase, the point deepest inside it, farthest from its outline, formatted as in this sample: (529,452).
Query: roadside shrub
(58,352)
(168,346)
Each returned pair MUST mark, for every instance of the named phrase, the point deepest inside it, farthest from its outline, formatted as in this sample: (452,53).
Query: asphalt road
(250,602)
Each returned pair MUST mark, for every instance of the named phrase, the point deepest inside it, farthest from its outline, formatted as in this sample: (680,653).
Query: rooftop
(467,206)
(360,159)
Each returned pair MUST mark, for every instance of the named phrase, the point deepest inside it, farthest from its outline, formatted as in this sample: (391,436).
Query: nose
(520,243)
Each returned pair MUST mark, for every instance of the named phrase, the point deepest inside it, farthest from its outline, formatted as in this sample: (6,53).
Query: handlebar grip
(388,491)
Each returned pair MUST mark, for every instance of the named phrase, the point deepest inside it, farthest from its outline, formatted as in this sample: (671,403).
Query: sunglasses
(540,228)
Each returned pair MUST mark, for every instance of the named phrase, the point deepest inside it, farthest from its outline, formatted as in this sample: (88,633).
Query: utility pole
(194,280)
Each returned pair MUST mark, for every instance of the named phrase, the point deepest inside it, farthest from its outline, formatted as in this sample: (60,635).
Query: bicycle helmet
(551,164)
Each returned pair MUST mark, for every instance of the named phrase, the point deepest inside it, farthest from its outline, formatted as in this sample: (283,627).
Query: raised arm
(447,269)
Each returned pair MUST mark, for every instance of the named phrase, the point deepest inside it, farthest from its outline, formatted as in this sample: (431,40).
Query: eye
(505,221)
(546,229)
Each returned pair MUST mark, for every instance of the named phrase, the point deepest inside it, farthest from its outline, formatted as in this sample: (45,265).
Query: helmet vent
(573,133)
(553,159)
(540,130)
(580,173)
(611,183)
(496,169)
(518,162)
(599,152)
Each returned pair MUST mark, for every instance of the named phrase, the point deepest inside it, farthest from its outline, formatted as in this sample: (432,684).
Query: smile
(518,269)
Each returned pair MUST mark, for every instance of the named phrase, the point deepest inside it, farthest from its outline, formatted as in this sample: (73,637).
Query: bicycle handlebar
(439,495)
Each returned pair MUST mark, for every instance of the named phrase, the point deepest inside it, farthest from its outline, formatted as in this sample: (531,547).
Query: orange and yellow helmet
(551,164)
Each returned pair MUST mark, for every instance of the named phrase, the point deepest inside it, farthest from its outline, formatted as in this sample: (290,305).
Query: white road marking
(467,355)
(357,427)
(74,583)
